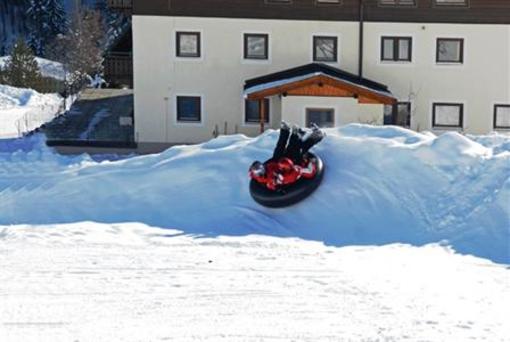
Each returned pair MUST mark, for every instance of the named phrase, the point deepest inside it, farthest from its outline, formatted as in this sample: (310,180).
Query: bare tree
(81,49)
(411,98)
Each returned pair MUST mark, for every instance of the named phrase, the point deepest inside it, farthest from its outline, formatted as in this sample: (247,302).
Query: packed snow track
(129,282)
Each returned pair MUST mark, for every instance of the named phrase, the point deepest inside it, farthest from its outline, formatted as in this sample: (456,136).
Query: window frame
(246,37)
(315,37)
(396,49)
(415,4)
(321,109)
(178,52)
(495,122)
(178,120)
(448,104)
(462,46)
(467,4)
(278,2)
(329,3)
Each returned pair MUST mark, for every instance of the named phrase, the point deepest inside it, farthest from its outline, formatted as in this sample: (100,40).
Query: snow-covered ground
(382,185)
(23,110)
(129,282)
(47,67)
(406,239)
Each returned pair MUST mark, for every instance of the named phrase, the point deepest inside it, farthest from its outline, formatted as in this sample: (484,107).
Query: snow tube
(288,195)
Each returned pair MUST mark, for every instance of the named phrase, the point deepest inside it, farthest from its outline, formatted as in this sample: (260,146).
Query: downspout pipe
(361,37)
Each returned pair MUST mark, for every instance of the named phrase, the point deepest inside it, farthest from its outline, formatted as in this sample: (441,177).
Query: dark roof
(422,11)
(312,69)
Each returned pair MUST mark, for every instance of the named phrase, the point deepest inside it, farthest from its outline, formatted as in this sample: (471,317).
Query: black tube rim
(289,195)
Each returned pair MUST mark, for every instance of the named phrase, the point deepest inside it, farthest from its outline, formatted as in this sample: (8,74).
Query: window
(450,50)
(278,1)
(397,49)
(328,2)
(448,115)
(321,117)
(397,2)
(252,111)
(502,116)
(189,108)
(388,115)
(451,2)
(256,46)
(188,44)
(325,49)
(398,114)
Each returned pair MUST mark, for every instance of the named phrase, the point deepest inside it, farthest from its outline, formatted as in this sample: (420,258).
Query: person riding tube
(291,159)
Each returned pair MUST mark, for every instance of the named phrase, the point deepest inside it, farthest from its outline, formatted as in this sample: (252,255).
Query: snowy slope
(103,283)
(382,185)
(23,110)
(46,67)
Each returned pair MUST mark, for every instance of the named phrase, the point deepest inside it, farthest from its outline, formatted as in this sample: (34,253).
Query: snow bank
(46,67)
(23,110)
(130,282)
(382,185)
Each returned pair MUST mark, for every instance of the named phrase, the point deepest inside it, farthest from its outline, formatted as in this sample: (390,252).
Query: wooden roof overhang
(316,79)
(319,84)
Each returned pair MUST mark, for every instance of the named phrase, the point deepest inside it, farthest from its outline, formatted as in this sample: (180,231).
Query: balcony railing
(120,4)
(118,70)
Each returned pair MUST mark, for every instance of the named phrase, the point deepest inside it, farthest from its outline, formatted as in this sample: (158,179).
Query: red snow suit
(284,172)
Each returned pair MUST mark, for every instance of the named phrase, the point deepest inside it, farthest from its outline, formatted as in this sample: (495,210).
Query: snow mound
(23,110)
(382,185)
(11,97)
(496,141)
(46,67)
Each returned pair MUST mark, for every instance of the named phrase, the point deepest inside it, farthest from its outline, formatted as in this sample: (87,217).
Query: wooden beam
(359,91)
(366,100)
(278,90)
(262,111)
(316,90)
(323,85)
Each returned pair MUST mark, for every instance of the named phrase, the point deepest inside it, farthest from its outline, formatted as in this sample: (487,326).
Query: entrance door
(398,114)
(322,117)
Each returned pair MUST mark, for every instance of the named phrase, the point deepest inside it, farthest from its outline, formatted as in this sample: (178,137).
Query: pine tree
(37,26)
(57,21)
(21,68)
(46,19)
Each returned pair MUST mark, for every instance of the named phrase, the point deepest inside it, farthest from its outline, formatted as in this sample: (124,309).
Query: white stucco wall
(479,83)
(346,110)
(218,76)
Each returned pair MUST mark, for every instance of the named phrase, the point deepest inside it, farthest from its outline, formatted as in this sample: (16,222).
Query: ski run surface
(130,282)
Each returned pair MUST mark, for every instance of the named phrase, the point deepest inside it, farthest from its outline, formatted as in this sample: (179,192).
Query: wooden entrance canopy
(316,79)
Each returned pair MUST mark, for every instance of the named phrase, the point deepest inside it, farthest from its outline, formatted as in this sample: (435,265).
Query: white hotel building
(207,67)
